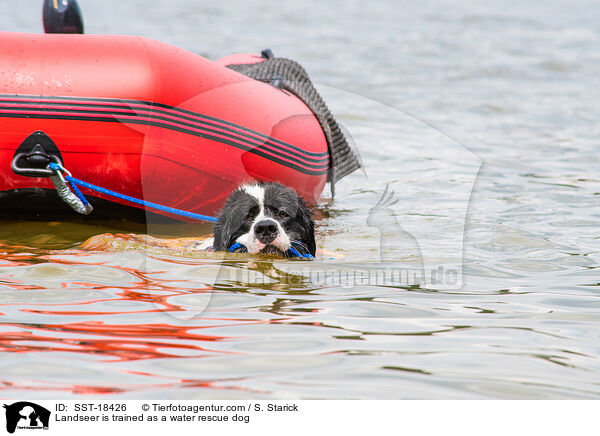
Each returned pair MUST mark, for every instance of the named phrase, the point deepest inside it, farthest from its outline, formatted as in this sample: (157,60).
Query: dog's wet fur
(265,217)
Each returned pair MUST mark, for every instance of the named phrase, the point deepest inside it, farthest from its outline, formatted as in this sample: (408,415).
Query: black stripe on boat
(154,107)
(305,169)
(289,155)
(271,149)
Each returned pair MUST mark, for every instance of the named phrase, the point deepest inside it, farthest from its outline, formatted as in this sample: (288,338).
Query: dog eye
(282,214)
(252,213)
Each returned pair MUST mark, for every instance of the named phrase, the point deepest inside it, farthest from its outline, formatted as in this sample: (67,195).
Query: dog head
(265,218)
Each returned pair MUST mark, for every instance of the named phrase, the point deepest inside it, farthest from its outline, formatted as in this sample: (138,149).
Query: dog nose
(265,231)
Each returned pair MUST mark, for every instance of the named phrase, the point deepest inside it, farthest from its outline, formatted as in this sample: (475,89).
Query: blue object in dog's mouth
(269,249)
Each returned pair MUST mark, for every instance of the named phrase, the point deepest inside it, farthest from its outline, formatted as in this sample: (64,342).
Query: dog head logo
(26,415)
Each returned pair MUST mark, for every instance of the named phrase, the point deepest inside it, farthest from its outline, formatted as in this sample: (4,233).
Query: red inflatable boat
(156,122)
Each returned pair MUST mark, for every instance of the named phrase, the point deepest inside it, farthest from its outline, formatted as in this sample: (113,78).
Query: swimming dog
(265,218)
(258,217)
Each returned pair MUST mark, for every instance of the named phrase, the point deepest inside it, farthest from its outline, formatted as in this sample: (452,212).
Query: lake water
(484,122)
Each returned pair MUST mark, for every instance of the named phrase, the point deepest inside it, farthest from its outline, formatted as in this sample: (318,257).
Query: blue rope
(73,181)
(296,253)
(292,252)
(237,246)
(78,193)
(145,203)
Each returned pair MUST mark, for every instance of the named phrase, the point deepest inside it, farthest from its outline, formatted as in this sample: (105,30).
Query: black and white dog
(265,218)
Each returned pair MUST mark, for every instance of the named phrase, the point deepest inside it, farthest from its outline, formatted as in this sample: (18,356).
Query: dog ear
(311,242)
(218,235)
(308,224)
(222,232)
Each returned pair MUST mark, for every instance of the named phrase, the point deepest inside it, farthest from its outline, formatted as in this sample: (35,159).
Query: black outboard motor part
(62,16)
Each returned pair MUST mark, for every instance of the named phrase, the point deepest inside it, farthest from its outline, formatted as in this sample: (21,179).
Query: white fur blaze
(257,192)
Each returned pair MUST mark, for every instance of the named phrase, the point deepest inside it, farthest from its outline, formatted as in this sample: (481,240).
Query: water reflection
(516,87)
(263,328)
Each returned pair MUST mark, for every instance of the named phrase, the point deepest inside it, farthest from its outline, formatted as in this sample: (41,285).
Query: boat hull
(153,121)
